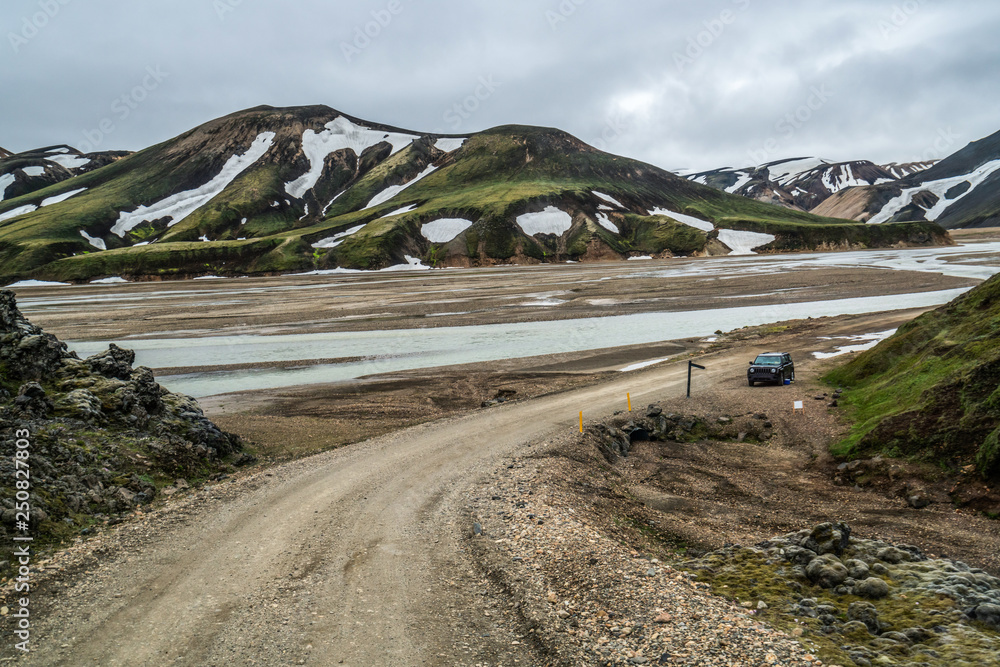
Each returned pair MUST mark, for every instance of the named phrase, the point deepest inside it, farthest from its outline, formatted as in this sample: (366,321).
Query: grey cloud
(622,74)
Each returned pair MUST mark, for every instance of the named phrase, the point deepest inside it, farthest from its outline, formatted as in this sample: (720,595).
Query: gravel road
(350,557)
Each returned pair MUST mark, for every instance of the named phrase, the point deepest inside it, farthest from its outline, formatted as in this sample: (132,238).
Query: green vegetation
(749,576)
(497,176)
(932,391)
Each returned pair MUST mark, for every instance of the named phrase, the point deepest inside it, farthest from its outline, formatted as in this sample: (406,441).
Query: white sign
(799,406)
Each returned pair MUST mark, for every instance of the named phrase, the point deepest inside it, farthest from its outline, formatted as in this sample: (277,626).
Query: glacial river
(398,350)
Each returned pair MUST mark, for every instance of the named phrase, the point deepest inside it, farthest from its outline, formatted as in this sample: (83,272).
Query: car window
(767,361)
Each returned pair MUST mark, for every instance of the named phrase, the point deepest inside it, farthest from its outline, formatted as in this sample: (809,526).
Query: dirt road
(343,558)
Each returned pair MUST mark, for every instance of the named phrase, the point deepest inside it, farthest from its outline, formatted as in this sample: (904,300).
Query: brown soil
(706,493)
(459,297)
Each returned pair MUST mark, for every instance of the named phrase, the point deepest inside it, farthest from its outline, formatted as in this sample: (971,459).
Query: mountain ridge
(960,190)
(269,190)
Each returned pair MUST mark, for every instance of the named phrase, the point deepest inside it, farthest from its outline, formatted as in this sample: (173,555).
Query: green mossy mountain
(932,391)
(328,190)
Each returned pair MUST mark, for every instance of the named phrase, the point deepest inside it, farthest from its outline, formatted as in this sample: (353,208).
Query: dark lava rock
(872,588)
(894,555)
(32,401)
(828,538)
(856,569)
(986,613)
(866,613)
(115,362)
(826,571)
(99,429)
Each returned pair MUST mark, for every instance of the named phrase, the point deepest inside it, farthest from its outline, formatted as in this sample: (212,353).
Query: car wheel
(751,382)
(781,378)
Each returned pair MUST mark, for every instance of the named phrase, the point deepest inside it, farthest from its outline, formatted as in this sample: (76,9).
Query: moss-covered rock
(103,435)
(918,611)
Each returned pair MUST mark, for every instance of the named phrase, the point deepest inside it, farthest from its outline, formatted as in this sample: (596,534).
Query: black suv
(771,367)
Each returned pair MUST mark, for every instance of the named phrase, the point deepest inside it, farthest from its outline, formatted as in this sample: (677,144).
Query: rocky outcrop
(104,434)
(615,439)
(866,601)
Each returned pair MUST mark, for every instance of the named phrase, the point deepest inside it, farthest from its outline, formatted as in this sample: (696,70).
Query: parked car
(771,367)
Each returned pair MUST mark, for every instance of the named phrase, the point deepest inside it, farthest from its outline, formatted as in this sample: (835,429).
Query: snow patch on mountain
(785,172)
(20,210)
(339,134)
(183,204)
(550,221)
(742,180)
(337,239)
(400,211)
(60,198)
(604,221)
(449,145)
(743,243)
(691,221)
(939,188)
(70,161)
(840,178)
(394,190)
(93,240)
(33,171)
(445,229)
(58,150)
(5,181)
(609,199)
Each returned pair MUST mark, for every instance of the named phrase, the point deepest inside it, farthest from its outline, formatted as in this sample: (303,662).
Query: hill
(272,190)
(24,173)
(959,191)
(932,391)
(803,183)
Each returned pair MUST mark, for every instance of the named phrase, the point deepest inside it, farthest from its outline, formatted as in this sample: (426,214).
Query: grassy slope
(498,175)
(932,391)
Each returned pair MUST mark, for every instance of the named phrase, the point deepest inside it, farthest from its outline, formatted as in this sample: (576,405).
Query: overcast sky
(692,84)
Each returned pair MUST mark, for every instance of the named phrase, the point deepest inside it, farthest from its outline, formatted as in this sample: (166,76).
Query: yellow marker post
(629,402)
(581,421)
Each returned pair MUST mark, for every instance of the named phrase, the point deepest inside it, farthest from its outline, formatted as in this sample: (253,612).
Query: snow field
(183,204)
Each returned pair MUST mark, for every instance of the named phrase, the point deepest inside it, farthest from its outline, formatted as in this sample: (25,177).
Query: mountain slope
(959,191)
(932,391)
(24,173)
(803,183)
(270,190)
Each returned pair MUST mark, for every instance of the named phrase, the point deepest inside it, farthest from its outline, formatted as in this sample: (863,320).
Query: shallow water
(389,351)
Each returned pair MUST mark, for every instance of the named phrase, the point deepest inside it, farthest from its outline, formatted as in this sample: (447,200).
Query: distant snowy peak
(24,173)
(803,183)
(934,198)
(908,168)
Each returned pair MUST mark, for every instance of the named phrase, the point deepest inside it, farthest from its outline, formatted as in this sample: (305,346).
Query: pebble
(595,601)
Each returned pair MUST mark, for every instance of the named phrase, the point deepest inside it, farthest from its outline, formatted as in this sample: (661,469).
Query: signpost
(691,365)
